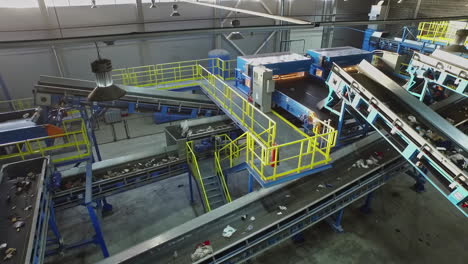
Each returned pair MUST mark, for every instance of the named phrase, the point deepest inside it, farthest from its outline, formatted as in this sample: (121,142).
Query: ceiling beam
(245,11)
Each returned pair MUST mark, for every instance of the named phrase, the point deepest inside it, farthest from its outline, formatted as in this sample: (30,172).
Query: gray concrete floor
(404,227)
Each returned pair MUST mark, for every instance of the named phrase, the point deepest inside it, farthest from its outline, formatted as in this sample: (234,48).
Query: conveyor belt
(118,178)
(81,88)
(386,106)
(30,206)
(298,196)
(307,91)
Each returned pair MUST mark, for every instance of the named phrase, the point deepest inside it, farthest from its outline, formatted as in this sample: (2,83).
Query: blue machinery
(346,91)
(365,99)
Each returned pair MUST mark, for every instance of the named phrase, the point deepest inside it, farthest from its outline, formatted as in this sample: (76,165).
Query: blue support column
(191,187)
(367,207)
(53,226)
(335,221)
(106,209)
(98,237)
(251,181)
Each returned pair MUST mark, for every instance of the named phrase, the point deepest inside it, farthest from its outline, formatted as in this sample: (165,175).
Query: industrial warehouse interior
(233,131)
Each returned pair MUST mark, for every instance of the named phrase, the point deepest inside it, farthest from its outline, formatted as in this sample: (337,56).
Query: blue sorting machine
(299,80)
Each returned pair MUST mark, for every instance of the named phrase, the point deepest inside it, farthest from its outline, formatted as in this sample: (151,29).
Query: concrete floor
(404,227)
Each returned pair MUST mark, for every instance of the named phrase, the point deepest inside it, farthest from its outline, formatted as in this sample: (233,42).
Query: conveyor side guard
(415,148)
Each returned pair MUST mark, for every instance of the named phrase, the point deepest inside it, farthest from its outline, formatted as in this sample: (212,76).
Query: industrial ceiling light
(175,12)
(93,4)
(105,89)
(235,36)
(153,4)
(399,1)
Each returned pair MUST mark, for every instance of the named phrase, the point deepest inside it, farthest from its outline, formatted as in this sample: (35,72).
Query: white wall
(20,68)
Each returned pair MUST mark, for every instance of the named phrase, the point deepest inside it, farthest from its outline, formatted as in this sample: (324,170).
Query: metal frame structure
(399,134)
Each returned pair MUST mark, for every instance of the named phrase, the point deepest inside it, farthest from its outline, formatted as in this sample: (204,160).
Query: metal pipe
(154,34)
(245,11)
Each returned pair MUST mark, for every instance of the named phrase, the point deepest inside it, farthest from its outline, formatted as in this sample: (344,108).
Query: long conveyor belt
(387,107)
(48,85)
(306,202)
(24,211)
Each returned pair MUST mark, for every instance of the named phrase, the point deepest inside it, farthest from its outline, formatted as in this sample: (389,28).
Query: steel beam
(158,34)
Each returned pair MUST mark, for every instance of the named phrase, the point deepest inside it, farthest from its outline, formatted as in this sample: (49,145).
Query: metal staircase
(210,179)
(212,184)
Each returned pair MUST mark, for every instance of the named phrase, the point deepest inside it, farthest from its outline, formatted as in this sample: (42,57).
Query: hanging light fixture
(175,11)
(236,35)
(153,4)
(93,4)
(105,89)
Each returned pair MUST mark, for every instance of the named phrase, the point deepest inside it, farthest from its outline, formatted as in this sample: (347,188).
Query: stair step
(212,189)
(219,194)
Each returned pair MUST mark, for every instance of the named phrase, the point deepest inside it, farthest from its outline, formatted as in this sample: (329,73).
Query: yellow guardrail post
(192,161)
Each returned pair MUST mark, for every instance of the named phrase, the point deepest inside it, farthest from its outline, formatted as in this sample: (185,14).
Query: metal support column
(335,221)
(367,207)
(251,181)
(191,187)
(98,237)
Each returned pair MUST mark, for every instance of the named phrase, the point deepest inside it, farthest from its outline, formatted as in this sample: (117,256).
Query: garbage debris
(202,250)
(250,227)
(279,213)
(252,218)
(3,246)
(18,224)
(228,231)
(9,253)
(328,185)
(244,217)
(27,208)
(321,186)
(282,208)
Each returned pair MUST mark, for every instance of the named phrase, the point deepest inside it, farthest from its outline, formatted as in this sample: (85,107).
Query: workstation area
(161,131)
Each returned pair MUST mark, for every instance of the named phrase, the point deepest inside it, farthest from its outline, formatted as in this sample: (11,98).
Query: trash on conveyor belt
(366,163)
(9,253)
(202,250)
(228,231)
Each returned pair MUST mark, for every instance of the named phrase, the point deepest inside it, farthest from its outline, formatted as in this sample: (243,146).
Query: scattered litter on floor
(202,250)
(180,186)
(244,217)
(321,186)
(252,218)
(3,246)
(250,227)
(287,195)
(228,231)
(175,255)
(328,185)
(27,208)
(282,208)
(279,213)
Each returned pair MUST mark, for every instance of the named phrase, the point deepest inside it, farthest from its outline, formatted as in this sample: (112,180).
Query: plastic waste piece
(228,231)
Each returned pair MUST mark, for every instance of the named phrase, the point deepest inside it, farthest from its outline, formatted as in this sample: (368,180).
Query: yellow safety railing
(250,117)
(75,142)
(16,104)
(173,73)
(259,143)
(440,32)
(219,172)
(193,164)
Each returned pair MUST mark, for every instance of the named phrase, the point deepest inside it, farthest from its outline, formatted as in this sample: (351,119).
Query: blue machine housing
(323,59)
(281,63)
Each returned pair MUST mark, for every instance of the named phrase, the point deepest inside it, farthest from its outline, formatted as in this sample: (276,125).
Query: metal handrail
(193,164)
(16,104)
(219,172)
(34,146)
